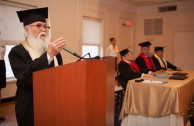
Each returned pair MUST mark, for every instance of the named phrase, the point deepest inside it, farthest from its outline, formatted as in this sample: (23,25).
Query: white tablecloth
(139,120)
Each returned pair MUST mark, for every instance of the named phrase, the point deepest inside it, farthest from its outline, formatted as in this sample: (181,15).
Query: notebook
(180,73)
(178,77)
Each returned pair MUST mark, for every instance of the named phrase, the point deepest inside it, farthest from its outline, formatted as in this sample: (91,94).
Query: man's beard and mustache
(40,43)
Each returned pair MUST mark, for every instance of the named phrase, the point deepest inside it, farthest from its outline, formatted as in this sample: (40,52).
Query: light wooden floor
(7,110)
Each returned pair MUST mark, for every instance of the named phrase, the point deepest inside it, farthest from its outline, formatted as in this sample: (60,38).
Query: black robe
(142,65)
(2,74)
(23,67)
(126,74)
(158,67)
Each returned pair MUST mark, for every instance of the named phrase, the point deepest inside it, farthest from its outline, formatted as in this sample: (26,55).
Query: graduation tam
(33,15)
(112,38)
(145,44)
(159,48)
(124,52)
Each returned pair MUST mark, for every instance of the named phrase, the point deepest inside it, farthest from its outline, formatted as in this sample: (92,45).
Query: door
(184,49)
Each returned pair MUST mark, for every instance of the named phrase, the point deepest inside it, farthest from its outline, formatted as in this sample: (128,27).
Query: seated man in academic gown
(128,69)
(144,61)
(160,62)
(34,54)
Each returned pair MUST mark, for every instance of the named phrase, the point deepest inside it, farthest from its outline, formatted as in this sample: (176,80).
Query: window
(92,50)
(9,73)
(92,37)
(12,32)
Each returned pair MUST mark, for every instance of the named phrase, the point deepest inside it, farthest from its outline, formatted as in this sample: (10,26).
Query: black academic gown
(2,74)
(126,74)
(142,65)
(158,67)
(23,67)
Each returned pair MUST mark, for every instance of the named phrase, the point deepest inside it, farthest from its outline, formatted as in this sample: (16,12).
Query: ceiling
(149,2)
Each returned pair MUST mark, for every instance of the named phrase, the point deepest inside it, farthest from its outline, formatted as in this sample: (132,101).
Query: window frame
(12,43)
(100,45)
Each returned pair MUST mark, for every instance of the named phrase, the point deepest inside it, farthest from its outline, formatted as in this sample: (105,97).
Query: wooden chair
(119,91)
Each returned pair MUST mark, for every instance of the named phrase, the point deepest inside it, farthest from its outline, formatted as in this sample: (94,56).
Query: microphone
(89,55)
(73,53)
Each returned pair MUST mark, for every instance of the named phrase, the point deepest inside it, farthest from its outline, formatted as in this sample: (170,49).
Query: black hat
(33,15)
(159,48)
(124,52)
(145,44)
(112,38)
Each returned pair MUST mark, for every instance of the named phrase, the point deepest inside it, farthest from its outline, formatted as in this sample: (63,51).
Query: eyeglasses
(40,26)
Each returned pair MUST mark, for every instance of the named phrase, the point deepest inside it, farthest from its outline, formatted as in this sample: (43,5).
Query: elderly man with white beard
(36,53)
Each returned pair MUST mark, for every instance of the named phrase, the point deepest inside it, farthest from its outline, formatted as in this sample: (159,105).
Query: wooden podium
(76,94)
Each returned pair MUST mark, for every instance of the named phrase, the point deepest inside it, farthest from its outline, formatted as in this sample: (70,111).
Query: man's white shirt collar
(127,61)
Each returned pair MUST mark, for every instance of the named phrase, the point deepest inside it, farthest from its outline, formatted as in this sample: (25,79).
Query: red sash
(133,66)
(147,62)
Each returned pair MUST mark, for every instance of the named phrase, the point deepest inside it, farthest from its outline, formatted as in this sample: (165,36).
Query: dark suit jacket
(158,67)
(126,74)
(23,67)
(142,65)
(2,74)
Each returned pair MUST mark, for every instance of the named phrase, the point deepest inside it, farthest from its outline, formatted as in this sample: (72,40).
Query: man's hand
(159,71)
(169,69)
(55,46)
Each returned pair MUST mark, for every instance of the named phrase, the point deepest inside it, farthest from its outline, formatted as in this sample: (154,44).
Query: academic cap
(159,48)
(33,15)
(145,44)
(124,52)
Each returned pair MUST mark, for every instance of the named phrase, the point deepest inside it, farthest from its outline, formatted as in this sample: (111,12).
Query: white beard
(38,44)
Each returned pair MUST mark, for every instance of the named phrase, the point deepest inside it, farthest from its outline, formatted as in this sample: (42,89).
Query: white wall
(180,20)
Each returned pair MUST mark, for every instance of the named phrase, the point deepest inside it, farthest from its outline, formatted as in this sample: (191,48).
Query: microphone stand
(80,57)
(84,57)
